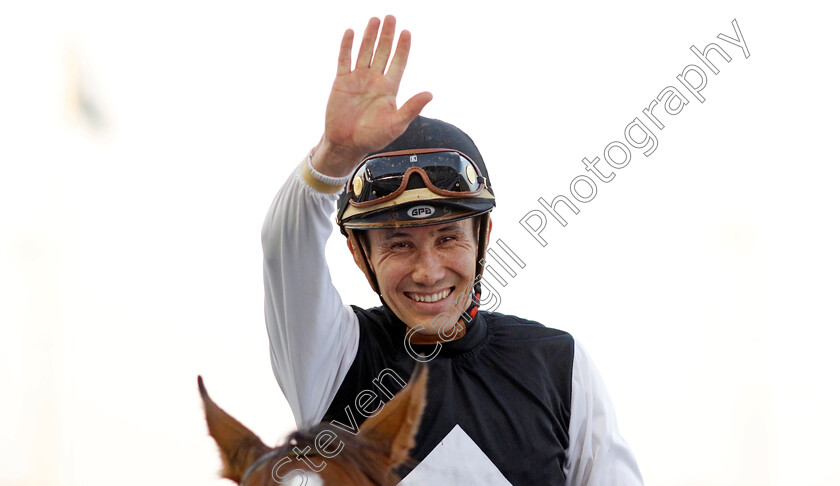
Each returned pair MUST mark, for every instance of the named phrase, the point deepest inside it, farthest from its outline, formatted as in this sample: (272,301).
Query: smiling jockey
(509,401)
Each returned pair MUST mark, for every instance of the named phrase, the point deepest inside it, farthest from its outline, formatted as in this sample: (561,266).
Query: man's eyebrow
(449,228)
(396,233)
(390,235)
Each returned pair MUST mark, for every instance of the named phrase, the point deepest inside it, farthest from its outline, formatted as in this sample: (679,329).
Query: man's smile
(426,297)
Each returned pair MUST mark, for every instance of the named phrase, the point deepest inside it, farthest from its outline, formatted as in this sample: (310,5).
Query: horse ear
(399,419)
(238,446)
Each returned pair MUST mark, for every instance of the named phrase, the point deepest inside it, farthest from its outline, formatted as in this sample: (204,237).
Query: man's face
(425,271)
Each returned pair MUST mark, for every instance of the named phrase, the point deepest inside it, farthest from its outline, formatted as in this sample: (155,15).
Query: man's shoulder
(499,319)
(508,323)
(372,313)
(375,317)
(377,323)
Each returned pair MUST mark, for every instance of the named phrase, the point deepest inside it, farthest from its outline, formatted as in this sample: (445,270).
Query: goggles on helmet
(383,177)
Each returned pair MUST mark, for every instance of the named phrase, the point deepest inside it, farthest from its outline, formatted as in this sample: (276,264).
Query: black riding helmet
(421,136)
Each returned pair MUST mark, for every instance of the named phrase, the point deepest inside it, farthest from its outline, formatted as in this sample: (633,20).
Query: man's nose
(428,268)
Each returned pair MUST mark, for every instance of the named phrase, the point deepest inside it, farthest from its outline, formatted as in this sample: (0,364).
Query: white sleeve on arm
(312,335)
(598,455)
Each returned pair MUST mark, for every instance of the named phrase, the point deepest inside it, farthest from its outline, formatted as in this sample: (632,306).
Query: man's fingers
(345,52)
(411,108)
(383,47)
(368,40)
(395,72)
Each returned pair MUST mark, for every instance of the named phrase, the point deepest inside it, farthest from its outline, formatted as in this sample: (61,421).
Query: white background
(702,279)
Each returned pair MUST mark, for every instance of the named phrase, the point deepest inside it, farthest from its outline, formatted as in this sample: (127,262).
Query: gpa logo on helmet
(421,211)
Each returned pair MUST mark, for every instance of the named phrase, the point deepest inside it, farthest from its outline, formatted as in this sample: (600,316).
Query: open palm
(362,114)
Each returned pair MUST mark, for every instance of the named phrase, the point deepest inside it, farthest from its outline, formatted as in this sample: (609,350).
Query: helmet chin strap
(483,239)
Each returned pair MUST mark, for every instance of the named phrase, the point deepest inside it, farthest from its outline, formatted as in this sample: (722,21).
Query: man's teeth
(431,298)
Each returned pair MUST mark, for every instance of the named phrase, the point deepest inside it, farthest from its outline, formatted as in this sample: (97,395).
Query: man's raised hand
(362,114)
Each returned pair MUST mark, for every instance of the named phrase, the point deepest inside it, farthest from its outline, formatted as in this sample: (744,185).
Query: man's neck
(418,338)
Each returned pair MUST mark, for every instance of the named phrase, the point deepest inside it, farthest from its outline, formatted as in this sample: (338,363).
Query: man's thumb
(411,108)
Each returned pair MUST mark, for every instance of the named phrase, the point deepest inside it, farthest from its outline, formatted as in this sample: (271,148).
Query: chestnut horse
(327,455)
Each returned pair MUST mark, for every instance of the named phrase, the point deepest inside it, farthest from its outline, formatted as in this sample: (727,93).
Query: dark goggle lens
(379,188)
(448,171)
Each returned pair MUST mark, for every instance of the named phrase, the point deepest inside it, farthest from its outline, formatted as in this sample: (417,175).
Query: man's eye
(398,246)
(447,239)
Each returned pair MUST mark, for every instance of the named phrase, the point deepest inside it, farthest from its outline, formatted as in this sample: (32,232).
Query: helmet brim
(420,213)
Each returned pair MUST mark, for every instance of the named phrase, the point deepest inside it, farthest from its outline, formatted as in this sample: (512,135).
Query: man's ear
(354,242)
(477,227)
(357,255)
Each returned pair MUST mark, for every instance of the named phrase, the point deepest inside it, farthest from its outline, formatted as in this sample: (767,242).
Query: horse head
(324,454)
